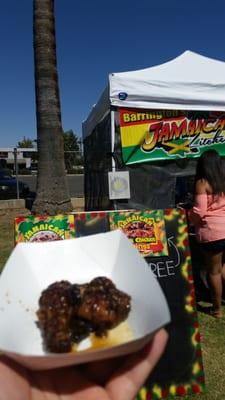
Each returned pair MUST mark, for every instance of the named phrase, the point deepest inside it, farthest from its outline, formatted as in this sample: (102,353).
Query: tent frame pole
(113,138)
(112,112)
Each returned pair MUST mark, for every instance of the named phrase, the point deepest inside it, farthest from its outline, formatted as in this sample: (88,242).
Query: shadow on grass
(205,309)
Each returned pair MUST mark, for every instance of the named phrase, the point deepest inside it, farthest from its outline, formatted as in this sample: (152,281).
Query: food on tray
(68,312)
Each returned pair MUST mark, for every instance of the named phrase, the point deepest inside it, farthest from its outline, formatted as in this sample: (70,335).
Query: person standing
(208,217)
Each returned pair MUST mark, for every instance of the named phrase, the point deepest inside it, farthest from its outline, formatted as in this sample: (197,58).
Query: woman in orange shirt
(208,216)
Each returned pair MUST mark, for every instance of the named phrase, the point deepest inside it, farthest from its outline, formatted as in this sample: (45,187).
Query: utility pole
(16,172)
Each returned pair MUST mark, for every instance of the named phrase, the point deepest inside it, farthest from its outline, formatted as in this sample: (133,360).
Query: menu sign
(44,228)
(145,229)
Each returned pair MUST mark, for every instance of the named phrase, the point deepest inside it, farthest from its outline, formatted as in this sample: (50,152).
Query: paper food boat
(31,267)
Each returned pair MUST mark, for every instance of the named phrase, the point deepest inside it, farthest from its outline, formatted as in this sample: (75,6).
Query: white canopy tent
(188,82)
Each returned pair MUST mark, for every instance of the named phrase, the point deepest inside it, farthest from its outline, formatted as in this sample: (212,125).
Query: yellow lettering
(178,131)
(208,126)
(151,138)
(28,235)
(220,124)
(191,128)
(164,133)
(126,118)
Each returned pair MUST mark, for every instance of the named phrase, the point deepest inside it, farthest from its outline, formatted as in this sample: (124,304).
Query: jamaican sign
(150,135)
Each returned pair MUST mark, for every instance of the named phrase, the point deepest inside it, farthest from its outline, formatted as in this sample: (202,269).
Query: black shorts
(218,246)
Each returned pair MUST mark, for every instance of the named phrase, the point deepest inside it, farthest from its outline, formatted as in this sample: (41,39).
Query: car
(8,187)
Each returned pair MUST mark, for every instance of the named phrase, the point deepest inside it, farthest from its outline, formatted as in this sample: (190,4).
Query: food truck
(143,136)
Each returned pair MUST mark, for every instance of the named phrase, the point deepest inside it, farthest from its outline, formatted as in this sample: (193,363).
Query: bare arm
(202,188)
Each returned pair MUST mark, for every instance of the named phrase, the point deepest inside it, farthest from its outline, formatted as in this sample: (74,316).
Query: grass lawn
(6,236)
(213,349)
(212,330)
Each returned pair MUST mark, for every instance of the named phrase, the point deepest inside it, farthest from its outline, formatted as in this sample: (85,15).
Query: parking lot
(75,182)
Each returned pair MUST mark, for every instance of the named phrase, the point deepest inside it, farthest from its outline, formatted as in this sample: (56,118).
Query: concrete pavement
(18,204)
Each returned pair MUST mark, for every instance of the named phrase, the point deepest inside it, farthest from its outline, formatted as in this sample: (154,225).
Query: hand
(115,379)
(180,206)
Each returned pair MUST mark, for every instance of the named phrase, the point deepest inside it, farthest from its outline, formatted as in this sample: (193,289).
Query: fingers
(125,384)
(13,380)
(155,349)
(72,384)
(101,371)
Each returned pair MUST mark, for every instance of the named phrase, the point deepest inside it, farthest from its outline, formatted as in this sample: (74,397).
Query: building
(23,157)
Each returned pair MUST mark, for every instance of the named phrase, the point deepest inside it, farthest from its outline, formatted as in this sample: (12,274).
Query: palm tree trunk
(52,195)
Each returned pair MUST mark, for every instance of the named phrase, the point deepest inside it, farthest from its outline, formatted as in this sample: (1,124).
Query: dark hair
(211,167)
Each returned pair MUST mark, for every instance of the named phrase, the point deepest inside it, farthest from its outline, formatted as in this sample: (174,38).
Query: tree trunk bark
(52,196)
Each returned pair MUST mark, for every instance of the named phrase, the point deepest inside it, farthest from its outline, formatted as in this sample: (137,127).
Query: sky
(95,38)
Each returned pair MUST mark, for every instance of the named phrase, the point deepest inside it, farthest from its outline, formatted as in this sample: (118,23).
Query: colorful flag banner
(150,135)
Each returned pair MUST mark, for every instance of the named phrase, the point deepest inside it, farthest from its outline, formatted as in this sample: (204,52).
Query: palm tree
(52,195)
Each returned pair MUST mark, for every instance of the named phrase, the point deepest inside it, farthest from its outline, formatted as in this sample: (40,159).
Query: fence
(19,164)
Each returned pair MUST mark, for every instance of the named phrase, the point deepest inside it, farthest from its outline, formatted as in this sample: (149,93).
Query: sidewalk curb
(12,204)
(18,204)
